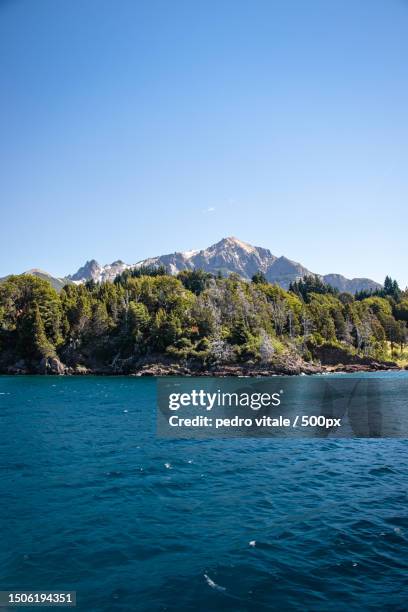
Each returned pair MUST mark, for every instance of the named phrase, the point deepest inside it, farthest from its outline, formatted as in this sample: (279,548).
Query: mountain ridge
(229,256)
(57,282)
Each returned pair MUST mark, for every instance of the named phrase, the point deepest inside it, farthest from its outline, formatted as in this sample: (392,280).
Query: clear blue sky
(135,128)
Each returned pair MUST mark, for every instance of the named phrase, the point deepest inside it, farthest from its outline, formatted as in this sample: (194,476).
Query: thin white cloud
(210,209)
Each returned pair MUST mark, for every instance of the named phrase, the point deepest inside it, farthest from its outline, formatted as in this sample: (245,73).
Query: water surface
(92,501)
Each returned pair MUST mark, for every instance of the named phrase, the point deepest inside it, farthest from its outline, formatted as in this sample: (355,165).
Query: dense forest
(195,319)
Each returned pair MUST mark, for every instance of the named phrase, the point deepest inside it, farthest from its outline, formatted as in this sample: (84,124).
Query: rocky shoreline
(287,367)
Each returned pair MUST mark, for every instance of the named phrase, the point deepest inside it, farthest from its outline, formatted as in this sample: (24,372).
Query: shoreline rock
(296,368)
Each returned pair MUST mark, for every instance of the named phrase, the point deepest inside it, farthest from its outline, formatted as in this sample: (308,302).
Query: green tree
(401,310)
(195,280)
(311,284)
(32,340)
(259,278)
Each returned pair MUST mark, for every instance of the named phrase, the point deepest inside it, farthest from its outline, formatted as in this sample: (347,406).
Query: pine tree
(32,340)
(259,277)
(388,285)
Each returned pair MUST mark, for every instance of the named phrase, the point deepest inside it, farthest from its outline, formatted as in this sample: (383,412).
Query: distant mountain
(231,255)
(351,286)
(227,256)
(57,283)
(92,270)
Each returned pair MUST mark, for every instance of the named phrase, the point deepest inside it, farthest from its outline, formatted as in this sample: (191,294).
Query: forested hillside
(195,319)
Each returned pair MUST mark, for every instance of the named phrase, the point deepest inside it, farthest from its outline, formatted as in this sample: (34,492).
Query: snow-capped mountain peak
(92,270)
(229,255)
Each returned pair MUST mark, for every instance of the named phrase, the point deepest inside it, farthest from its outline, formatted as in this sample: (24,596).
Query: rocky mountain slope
(92,270)
(229,255)
(57,283)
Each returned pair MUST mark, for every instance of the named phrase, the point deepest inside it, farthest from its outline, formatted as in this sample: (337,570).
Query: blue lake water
(93,501)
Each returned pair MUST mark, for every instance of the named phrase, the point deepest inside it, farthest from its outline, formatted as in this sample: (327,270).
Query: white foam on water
(213,584)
